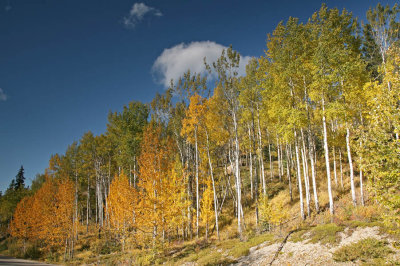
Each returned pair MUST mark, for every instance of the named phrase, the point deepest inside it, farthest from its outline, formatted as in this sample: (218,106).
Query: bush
(3,245)
(32,252)
(364,250)
(325,233)
(104,247)
(273,212)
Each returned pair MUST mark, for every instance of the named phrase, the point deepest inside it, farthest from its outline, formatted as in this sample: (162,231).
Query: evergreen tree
(20,179)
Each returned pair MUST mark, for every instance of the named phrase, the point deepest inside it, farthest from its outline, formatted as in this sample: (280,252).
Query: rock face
(304,253)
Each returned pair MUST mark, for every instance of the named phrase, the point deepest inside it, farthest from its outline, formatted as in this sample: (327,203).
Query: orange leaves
(161,186)
(121,200)
(20,226)
(47,215)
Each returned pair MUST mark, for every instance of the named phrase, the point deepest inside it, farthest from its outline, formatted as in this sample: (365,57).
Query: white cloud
(3,96)
(138,12)
(175,61)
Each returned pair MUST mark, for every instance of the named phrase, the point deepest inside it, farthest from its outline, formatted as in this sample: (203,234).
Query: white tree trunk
(299,178)
(341,168)
(288,173)
(197,185)
(306,177)
(271,168)
(261,157)
(282,169)
(361,180)
(306,183)
(334,165)
(310,152)
(353,190)
(213,184)
(328,170)
(250,163)
(237,175)
(279,159)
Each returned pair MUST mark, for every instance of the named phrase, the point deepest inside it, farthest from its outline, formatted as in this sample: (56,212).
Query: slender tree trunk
(76,205)
(261,156)
(299,178)
(251,174)
(289,174)
(271,168)
(353,190)
(334,165)
(237,174)
(281,153)
(361,180)
(213,184)
(256,180)
(190,194)
(341,168)
(313,175)
(305,170)
(197,186)
(134,171)
(130,175)
(279,159)
(96,200)
(328,170)
(250,163)
(87,205)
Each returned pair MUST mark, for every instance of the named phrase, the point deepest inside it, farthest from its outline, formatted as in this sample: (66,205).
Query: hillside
(302,151)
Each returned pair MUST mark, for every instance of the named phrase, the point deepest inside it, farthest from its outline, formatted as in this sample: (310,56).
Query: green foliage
(20,179)
(37,182)
(33,252)
(103,247)
(8,203)
(298,236)
(325,234)
(364,250)
(243,248)
(125,130)
(379,142)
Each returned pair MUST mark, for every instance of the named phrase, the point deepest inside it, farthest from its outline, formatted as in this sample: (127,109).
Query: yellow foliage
(47,216)
(274,212)
(121,200)
(207,204)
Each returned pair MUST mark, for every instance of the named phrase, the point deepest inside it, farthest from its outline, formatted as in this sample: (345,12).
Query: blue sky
(65,64)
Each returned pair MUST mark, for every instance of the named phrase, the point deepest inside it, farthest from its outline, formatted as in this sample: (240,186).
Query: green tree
(20,179)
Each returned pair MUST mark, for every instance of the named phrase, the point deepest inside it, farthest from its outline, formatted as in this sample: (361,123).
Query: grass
(323,233)
(221,253)
(369,249)
(243,248)
(363,224)
(298,236)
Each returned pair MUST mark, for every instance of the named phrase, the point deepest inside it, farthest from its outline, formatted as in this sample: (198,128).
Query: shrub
(364,250)
(274,212)
(32,252)
(325,233)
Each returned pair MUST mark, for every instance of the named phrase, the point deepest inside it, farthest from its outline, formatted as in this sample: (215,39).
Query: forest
(308,136)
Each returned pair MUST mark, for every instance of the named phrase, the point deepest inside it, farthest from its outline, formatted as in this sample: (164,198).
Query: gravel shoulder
(6,260)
